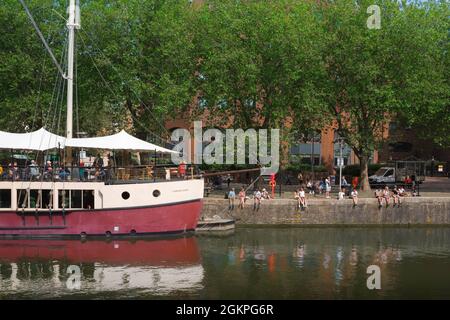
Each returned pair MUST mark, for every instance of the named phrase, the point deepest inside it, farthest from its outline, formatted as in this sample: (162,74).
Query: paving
(431,187)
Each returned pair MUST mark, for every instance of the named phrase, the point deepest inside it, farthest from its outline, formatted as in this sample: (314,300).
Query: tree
(133,66)
(257,64)
(373,75)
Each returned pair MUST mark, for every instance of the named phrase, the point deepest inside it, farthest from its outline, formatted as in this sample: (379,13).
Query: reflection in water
(159,267)
(253,263)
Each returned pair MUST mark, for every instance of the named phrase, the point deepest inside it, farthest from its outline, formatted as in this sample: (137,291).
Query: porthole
(125,195)
(156,193)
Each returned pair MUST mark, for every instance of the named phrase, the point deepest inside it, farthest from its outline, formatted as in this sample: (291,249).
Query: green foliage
(373,75)
(248,63)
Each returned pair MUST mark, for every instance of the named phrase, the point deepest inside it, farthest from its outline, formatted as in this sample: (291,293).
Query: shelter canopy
(42,140)
(118,141)
(39,140)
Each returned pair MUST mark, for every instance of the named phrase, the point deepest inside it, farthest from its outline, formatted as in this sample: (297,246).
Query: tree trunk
(364,167)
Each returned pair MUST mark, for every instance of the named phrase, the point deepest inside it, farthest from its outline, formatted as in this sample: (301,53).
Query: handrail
(94,173)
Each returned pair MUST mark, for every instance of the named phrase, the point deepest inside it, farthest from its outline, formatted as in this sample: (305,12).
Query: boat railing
(106,174)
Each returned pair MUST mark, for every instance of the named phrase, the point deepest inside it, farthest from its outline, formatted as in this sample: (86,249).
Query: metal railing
(114,174)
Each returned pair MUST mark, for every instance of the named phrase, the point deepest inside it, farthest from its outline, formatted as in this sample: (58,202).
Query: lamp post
(340,163)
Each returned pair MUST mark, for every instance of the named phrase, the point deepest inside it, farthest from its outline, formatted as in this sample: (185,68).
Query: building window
(400,147)
(304,152)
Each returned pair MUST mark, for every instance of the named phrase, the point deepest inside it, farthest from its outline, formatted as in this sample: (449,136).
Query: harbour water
(252,263)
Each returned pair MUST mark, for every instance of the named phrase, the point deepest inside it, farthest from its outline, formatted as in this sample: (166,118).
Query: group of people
(353,196)
(385,195)
(32,171)
(258,196)
(53,170)
(11,172)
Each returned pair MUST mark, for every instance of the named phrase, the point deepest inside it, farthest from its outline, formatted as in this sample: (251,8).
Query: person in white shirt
(386,195)
(256,200)
(297,197)
(341,194)
(310,187)
(327,188)
(302,198)
(265,194)
(354,197)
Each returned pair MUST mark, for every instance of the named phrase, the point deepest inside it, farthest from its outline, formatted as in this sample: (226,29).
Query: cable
(131,89)
(117,97)
(43,39)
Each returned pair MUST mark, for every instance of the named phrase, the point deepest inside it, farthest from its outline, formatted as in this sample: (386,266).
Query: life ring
(272,183)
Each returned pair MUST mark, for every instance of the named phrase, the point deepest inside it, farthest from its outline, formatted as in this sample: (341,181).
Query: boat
(35,202)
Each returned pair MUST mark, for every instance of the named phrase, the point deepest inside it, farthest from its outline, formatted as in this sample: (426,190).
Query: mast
(72,23)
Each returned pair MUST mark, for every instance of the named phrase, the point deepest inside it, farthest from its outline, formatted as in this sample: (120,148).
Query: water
(263,263)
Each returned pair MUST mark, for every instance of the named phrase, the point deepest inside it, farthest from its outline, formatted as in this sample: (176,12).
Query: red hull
(164,219)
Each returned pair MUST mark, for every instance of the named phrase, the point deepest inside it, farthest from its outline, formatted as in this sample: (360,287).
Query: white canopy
(37,140)
(118,141)
(43,140)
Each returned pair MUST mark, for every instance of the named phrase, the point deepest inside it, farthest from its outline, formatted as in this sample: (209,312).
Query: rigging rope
(42,39)
(131,89)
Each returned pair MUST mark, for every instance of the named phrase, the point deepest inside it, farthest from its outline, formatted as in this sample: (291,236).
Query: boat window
(88,199)
(76,199)
(125,195)
(156,193)
(63,199)
(40,199)
(22,198)
(34,198)
(5,198)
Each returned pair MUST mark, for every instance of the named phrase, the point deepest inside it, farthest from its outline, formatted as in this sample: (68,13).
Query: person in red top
(241,198)
(355,182)
(182,169)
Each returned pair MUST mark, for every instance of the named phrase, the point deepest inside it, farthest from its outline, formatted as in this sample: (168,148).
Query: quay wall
(418,211)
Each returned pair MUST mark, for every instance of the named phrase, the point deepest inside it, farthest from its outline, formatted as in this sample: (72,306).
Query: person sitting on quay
(354,196)
(379,196)
(341,194)
(231,198)
(402,192)
(302,198)
(257,200)
(310,187)
(296,197)
(265,194)
(242,198)
(396,197)
(386,195)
